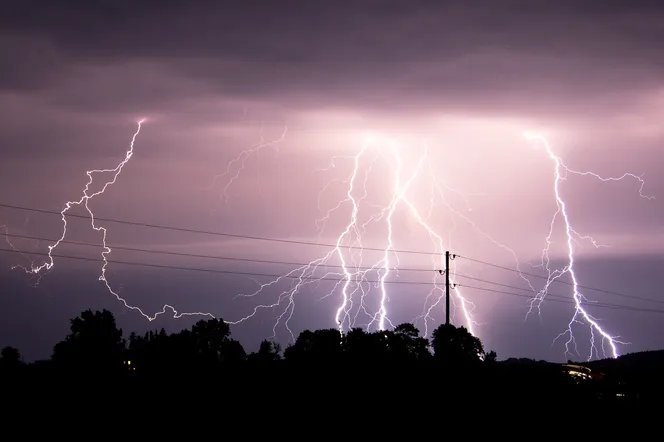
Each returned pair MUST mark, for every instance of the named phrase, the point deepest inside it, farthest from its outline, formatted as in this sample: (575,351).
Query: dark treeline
(320,365)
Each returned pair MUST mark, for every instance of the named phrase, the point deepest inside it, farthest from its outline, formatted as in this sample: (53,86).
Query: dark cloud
(32,62)
(496,54)
(306,31)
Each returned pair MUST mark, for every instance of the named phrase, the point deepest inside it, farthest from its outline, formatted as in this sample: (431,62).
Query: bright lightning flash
(581,315)
(84,201)
(356,280)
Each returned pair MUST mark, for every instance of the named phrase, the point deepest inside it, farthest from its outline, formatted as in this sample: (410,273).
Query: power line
(193,255)
(299,264)
(310,243)
(227,272)
(547,295)
(206,232)
(530,290)
(494,283)
(556,298)
(585,287)
(563,300)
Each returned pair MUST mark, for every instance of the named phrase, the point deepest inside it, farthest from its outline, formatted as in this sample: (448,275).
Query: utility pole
(447,288)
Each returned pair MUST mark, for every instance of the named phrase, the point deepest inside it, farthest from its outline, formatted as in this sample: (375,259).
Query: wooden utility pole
(447,288)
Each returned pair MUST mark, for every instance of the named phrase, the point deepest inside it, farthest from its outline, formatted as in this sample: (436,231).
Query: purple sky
(466,78)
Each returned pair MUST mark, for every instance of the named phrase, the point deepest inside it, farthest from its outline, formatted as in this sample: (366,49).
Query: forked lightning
(84,201)
(360,276)
(581,315)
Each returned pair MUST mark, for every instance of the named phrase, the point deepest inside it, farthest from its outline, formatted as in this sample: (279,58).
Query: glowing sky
(468,77)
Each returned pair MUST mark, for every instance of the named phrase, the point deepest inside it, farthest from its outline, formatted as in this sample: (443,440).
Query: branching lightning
(356,282)
(354,286)
(239,162)
(84,201)
(581,315)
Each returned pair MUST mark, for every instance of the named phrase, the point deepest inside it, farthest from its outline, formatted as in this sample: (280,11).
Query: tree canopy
(95,341)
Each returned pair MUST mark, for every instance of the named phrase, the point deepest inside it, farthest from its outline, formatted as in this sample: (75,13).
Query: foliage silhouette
(10,359)
(406,344)
(456,346)
(95,343)
(10,355)
(317,347)
(206,347)
(268,354)
(329,363)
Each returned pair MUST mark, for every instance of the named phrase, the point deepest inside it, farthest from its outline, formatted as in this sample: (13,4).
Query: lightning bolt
(17,250)
(84,201)
(354,281)
(240,161)
(439,191)
(581,315)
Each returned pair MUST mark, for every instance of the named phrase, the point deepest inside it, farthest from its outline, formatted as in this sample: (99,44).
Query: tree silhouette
(94,342)
(10,359)
(360,347)
(452,345)
(329,364)
(320,346)
(152,351)
(10,355)
(207,346)
(491,357)
(406,344)
(213,344)
(268,353)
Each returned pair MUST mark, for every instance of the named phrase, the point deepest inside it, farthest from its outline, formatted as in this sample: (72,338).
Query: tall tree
(213,343)
(361,347)
(10,358)
(406,344)
(268,352)
(10,355)
(95,341)
(317,346)
(456,346)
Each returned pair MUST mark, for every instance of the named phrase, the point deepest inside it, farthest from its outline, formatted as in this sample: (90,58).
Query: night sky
(212,79)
